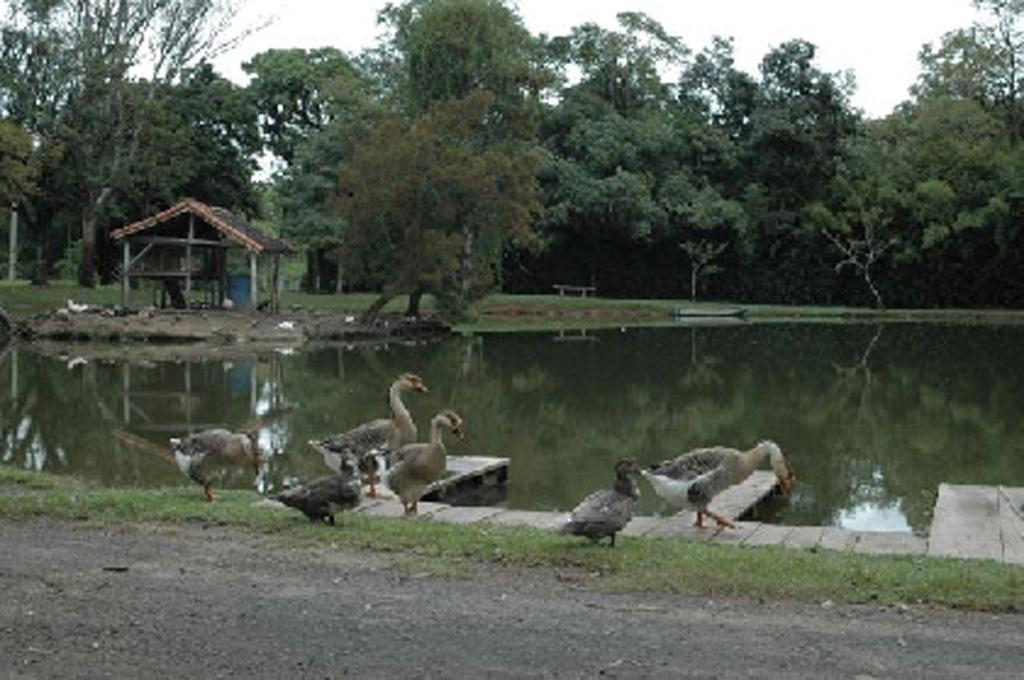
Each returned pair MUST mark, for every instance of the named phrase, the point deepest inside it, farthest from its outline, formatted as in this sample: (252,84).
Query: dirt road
(195,602)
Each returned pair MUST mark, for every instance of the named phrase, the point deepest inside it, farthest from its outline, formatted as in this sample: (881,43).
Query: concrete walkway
(970,522)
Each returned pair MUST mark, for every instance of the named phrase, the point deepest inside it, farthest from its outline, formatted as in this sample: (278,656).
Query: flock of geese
(357,457)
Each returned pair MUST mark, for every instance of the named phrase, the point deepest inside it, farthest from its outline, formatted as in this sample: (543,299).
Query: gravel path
(195,602)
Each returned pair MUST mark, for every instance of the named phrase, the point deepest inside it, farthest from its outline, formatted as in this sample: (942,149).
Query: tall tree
(429,205)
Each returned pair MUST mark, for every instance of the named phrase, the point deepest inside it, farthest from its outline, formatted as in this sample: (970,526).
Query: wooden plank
(804,537)
(673,528)
(531,518)
(965,523)
(393,508)
(737,500)
(768,534)
(1011,524)
(468,471)
(836,538)
(639,526)
(465,515)
(889,543)
(175,241)
(738,535)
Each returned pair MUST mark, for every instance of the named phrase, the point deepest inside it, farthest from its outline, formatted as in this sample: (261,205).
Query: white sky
(877,39)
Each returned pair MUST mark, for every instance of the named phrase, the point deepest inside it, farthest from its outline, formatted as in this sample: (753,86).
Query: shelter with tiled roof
(188,243)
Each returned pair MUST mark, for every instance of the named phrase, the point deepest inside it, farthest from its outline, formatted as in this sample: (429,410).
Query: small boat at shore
(709,312)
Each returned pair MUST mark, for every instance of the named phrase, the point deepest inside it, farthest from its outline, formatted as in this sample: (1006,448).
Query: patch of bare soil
(201,601)
(220,326)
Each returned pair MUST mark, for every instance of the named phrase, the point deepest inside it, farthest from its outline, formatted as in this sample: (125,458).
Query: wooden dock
(466,475)
(984,522)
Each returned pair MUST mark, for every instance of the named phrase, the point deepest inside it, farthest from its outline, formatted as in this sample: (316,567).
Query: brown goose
(376,438)
(320,499)
(417,466)
(691,480)
(606,512)
(199,456)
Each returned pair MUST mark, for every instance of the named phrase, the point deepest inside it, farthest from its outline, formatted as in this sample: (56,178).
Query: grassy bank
(636,564)
(510,312)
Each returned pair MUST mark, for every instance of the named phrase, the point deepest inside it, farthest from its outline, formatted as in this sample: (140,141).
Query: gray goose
(691,480)
(376,438)
(199,456)
(417,466)
(606,512)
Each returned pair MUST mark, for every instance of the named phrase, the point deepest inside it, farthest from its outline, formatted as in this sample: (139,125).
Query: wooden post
(188,256)
(12,255)
(253,281)
(276,292)
(126,266)
(222,269)
(126,392)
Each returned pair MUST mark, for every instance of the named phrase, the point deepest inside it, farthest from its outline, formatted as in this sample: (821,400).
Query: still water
(873,417)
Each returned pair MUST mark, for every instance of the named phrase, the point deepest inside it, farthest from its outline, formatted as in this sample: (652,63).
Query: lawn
(635,564)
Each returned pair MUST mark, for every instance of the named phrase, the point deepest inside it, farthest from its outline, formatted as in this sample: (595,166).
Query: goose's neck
(752,459)
(435,433)
(401,417)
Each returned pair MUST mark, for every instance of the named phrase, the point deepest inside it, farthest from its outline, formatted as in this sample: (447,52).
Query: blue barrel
(238,290)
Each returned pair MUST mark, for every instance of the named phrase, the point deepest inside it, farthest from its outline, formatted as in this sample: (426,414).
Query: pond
(873,417)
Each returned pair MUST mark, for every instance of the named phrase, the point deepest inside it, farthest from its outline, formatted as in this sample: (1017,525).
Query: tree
(430,206)
(298,92)
(17,164)
(90,52)
(983,63)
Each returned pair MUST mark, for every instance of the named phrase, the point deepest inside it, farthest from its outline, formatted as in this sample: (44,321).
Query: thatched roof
(221,219)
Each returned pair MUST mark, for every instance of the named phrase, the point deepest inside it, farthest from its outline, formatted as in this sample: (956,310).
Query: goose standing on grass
(320,499)
(417,466)
(606,512)
(691,480)
(372,441)
(199,456)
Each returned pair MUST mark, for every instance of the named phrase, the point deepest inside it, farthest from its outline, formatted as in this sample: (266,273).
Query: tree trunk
(693,282)
(87,267)
(370,315)
(413,308)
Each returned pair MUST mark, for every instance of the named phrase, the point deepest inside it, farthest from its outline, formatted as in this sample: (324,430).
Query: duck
(606,512)
(375,439)
(691,480)
(321,498)
(199,456)
(417,466)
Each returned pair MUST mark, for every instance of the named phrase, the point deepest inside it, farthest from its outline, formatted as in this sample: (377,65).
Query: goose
(606,512)
(692,479)
(417,466)
(321,498)
(377,437)
(200,455)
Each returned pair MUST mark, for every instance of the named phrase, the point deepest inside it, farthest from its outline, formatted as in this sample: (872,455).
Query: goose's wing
(693,464)
(362,439)
(602,512)
(323,495)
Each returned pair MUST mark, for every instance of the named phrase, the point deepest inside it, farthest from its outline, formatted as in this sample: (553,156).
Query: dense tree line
(461,154)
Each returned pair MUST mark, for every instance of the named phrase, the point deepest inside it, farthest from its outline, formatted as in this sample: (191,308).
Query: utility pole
(12,253)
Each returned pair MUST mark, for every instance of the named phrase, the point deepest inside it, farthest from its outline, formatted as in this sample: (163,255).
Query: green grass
(635,564)
(516,312)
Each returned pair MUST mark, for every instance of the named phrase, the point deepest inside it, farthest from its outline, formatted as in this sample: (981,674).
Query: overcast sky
(877,39)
